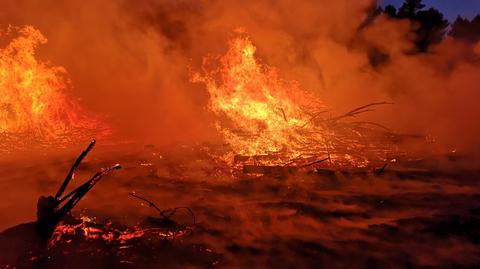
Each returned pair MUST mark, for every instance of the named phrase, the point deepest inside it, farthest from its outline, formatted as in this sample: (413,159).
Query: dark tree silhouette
(430,25)
(466,30)
(432,30)
(410,8)
(390,11)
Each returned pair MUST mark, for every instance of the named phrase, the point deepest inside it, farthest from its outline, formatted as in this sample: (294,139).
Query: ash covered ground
(416,214)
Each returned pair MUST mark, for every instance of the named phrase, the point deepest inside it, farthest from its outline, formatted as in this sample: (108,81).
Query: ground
(413,215)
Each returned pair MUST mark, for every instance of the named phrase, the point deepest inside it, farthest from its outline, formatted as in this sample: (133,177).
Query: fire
(266,113)
(87,229)
(33,93)
(261,114)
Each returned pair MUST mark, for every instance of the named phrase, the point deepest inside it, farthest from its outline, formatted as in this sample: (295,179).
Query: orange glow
(33,93)
(261,114)
(266,113)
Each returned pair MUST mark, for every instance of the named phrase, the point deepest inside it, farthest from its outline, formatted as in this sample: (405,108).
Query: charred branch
(166,214)
(360,110)
(70,174)
(50,211)
(316,162)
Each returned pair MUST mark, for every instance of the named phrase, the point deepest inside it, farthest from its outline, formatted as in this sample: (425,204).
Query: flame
(261,114)
(86,228)
(266,113)
(33,93)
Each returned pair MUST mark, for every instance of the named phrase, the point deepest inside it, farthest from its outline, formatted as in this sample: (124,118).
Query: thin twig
(151,204)
(167,213)
(174,210)
(315,162)
(382,169)
(359,110)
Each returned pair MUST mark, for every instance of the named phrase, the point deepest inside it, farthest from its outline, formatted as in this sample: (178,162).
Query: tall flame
(262,115)
(32,93)
(265,113)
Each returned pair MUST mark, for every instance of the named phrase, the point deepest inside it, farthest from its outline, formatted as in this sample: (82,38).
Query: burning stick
(49,212)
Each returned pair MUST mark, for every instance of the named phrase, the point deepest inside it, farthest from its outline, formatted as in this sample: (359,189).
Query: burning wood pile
(35,109)
(267,121)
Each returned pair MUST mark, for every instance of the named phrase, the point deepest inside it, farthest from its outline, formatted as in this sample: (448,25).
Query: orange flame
(262,115)
(266,113)
(33,97)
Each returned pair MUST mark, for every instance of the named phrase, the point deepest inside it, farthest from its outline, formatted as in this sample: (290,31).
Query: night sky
(451,8)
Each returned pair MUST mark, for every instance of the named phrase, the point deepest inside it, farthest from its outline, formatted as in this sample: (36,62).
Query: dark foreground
(423,214)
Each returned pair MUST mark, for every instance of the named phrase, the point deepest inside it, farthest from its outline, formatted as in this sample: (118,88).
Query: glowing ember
(34,98)
(107,232)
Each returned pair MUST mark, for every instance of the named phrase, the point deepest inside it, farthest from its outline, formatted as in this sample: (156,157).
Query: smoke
(130,60)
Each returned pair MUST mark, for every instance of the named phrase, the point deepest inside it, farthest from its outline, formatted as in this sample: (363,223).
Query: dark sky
(451,8)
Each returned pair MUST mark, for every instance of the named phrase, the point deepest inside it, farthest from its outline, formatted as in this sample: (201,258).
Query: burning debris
(270,174)
(53,212)
(35,108)
(269,121)
(58,235)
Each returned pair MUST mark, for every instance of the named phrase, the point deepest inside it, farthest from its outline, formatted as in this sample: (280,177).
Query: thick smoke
(131,60)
